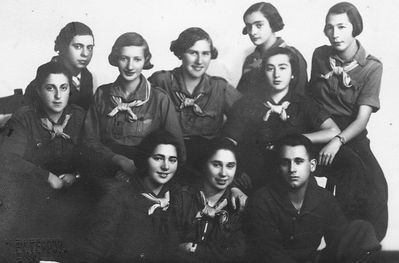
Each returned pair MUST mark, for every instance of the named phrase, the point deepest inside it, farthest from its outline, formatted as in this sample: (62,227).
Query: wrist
(341,139)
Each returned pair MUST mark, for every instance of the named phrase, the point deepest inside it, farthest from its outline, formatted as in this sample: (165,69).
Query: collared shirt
(338,99)
(224,241)
(253,78)
(82,96)
(280,234)
(28,139)
(216,101)
(107,136)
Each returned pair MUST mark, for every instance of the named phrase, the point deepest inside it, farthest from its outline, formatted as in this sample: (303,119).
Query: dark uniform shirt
(253,78)
(216,101)
(224,241)
(107,136)
(280,233)
(82,96)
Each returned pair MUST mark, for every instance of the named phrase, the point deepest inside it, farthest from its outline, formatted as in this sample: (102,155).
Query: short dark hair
(293,58)
(130,39)
(68,32)
(353,15)
(215,145)
(188,38)
(269,12)
(294,140)
(51,67)
(147,146)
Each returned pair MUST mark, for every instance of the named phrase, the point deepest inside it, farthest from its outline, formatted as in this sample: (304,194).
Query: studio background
(28,29)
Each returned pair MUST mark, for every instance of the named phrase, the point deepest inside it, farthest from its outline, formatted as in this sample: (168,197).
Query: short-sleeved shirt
(217,98)
(338,99)
(107,136)
(253,77)
(27,138)
(82,97)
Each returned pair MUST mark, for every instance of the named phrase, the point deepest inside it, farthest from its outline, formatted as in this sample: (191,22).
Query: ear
(313,165)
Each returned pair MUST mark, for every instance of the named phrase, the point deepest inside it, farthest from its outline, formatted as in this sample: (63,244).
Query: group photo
(198,131)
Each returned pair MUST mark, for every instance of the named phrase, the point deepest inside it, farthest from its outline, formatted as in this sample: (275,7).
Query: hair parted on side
(68,32)
(295,140)
(353,15)
(188,38)
(215,145)
(130,39)
(51,67)
(270,12)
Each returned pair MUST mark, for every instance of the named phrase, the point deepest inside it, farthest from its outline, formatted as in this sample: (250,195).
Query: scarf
(56,129)
(162,202)
(337,70)
(278,109)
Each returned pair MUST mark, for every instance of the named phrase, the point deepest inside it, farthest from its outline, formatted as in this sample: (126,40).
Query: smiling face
(296,166)
(54,94)
(220,169)
(278,72)
(78,53)
(258,28)
(130,62)
(196,59)
(339,31)
(162,164)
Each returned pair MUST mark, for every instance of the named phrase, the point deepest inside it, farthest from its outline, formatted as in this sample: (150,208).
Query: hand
(125,164)
(243,180)
(68,179)
(188,247)
(54,181)
(237,196)
(327,154)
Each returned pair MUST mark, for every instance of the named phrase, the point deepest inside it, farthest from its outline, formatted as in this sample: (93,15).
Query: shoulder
(159,93)
(373,63)
(322,51)
(218,82)
(161,76)
(77,111)
(103,89)
(261,195)
(24,111)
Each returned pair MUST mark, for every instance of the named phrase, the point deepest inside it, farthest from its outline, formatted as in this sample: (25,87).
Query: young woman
(208,228)
(259,119)
(125,111)
(346,81)
(131,222)
(202,101)
(262,21)
(41,165)
(74,45)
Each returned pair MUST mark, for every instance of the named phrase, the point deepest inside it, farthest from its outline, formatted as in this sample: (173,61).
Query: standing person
(346,81)
(131,221)
(262,21)
(43,194)
(74,44)
(202,101)
(208,228)
(125,111)
(261,118)
(288,218)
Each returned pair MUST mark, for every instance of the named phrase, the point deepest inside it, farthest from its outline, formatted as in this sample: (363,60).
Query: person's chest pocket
(57,149)
(138,128)
(349,95)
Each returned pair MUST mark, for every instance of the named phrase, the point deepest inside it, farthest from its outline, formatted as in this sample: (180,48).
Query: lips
(130,73)
(198,68)
(57,103)
(221,181)
(83,62)
(163,175)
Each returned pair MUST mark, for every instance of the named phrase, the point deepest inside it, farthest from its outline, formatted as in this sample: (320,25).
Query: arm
(328,129)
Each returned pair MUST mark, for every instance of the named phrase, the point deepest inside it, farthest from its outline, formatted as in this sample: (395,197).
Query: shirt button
(39,144)
(291,237)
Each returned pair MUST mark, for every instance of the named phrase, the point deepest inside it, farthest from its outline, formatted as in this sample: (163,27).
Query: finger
(233,203)
(243,201)
(221,205)
(331,159)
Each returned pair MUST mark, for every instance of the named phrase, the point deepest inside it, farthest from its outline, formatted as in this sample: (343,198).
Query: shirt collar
(360,55)
(279,43)
(138,94)
(202,87)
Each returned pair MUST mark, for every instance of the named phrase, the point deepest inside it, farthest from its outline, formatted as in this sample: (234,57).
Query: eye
(90,48)
(269,68)
(206,53)
(191,52)
(64,87)
(283,67)
(137,59)
(77,46)
(231,165)
(341,27)
(123,59)
(299,161)
(157,158)
(259,25)
(49,87)
(216,164)
(173,160)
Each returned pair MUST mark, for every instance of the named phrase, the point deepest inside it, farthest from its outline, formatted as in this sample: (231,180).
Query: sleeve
(315,114)
(231,95)
(238,120)
(337,221)
(92,144)
(315,72)
(370,92)
(265,239)
(302,81)
(244,83)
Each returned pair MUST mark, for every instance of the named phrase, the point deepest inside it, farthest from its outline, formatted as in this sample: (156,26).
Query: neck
(130,86)
(268,43)
(348,54)
(212,195)
(190,82)
(74,71)
(297,196)
(155,188)
(278,96)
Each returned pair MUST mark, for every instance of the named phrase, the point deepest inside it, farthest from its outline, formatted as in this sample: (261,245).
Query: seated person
(288,218)
(207,225)
(131,222)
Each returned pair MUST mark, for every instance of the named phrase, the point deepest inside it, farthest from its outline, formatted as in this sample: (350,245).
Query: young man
(288,218)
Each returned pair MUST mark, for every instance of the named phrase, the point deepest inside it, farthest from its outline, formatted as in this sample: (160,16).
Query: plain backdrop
(28,29)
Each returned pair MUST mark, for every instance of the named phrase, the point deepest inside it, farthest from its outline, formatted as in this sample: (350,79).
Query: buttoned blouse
(216,100)
(338,99)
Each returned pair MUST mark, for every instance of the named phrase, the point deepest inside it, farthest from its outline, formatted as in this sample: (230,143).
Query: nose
(130,64)
(334,32)
(223,171)
(292,167)
(57,94)
(276,73)
(252,30)
(199,59)
(165,165)
(85,52)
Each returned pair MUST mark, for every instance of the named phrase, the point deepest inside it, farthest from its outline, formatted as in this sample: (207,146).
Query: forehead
(201,45)
(223,155)
(292,152)
(56,78)
(83,39)
(132,51)
(278,59)
(334,19)
(256,16)
(166,150)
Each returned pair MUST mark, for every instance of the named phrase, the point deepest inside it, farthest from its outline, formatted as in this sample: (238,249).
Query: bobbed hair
(130,39)
(188,38)
(353,15)
(295,140)
(292,58)
(68,32)
(147,146)
(269,12)
(51,67)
